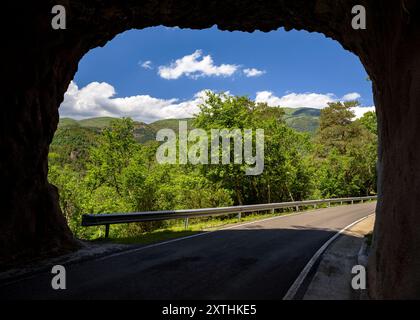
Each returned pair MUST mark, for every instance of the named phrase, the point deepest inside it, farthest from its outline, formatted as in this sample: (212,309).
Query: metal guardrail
(116,218)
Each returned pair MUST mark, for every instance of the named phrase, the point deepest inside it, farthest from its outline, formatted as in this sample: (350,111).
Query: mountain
(142,131)
(170,124)
(301,119)
(98,123)
(67,122)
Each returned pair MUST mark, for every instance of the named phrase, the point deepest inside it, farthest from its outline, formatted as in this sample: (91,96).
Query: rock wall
(40,62)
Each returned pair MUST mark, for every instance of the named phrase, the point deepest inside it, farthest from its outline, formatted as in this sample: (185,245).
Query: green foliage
(336,129)
(285,176)
(71,146)
(107,165)
(120,175)
(143,132)
(346,152)
(369,122)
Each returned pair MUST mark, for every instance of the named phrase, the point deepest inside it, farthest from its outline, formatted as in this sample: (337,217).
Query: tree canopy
(106,170)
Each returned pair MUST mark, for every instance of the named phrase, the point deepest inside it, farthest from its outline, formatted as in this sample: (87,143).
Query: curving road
(258,260)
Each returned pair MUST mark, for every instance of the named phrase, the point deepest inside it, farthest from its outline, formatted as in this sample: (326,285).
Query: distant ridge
(300,119)
(303,119)
(143,132)
(98,122)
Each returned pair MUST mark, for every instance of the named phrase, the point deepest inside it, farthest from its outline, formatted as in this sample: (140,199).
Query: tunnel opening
(41,63)
(157,78)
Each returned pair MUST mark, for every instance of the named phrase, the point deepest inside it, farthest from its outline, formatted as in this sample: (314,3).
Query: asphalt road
(258,260)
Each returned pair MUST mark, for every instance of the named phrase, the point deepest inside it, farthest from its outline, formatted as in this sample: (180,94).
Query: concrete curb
(330,279)
(297,285)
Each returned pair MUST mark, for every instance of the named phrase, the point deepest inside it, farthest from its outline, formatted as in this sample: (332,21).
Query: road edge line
(291,293)
(203,233)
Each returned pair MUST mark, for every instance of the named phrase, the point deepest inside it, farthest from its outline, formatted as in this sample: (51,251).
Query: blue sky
(161,72)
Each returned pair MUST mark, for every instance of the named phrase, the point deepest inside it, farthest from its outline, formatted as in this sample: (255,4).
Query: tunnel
(39,63)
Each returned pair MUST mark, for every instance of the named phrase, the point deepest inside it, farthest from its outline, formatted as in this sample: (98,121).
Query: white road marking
(291,293)
(204,233)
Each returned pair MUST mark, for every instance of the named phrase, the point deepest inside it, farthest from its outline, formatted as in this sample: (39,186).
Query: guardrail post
(315,206)
(352,201)
(341,202)
(297,208)
(329,204)
(362,200)
(272,211)
(239,216)
(186,223)
(106,231)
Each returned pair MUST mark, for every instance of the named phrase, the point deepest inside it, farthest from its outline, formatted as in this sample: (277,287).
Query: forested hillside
(301,119)
(105,165)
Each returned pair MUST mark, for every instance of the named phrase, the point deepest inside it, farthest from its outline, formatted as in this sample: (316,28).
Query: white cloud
(194,67)
(360,111)
(351,96)
(97,100)
(296,100)
(253,72)
(146,64)
(310,100)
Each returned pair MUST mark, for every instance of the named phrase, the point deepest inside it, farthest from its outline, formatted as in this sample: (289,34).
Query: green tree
(115,149)
(284,176)
(336,128)
(346,152)
(369,121)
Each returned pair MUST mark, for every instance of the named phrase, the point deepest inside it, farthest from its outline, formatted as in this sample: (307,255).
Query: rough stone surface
(40,62)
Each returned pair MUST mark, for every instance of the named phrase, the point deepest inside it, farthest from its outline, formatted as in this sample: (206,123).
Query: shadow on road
(247,263)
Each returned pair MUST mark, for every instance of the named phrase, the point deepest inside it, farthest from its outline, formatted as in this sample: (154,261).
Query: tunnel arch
(40,63)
